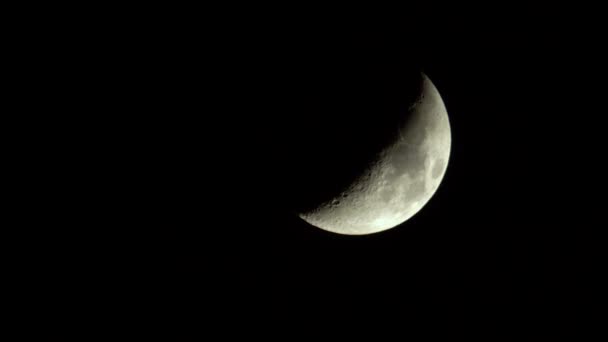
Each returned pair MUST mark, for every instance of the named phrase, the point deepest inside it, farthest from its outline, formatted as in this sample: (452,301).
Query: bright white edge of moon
(403,179)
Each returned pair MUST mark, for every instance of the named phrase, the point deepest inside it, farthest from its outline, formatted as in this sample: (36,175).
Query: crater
(387,194)
(417,189)
(438,168)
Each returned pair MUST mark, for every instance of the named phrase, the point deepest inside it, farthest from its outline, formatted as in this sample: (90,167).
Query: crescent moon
(402,178)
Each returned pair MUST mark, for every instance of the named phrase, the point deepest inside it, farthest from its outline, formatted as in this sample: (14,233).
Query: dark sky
(501,242)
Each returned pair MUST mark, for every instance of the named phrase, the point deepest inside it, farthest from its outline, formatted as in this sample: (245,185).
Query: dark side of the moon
(348,105)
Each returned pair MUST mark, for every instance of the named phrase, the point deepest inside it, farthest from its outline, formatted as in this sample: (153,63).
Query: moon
(401,177)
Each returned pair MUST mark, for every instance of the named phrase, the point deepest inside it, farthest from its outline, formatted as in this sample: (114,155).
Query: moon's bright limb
(403,178)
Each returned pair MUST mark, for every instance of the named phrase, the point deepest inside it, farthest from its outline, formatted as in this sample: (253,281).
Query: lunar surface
(402,177)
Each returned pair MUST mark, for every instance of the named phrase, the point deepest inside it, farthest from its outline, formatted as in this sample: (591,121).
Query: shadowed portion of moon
(371,172)
(340,128)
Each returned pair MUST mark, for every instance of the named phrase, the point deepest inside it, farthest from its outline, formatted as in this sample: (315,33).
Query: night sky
(229,112)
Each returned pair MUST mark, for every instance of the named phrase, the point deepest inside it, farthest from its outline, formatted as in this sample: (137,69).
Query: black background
(208,116)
